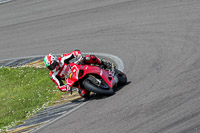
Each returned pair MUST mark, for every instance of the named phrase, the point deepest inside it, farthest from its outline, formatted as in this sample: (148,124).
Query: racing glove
(65,88)
(79,59)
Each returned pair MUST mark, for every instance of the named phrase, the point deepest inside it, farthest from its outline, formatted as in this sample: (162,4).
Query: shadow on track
(99,97)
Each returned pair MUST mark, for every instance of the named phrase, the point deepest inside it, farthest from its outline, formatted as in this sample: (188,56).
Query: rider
(56,65)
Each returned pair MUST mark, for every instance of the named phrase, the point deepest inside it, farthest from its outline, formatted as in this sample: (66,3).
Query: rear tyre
(96,89)
(121,77)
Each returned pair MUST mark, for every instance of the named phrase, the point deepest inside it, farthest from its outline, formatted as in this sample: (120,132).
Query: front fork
(113,70)
(116,80)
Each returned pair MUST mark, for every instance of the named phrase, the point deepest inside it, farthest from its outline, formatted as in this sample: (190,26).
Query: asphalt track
(158,41)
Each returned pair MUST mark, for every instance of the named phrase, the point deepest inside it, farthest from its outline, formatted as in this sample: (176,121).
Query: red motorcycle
(94,78)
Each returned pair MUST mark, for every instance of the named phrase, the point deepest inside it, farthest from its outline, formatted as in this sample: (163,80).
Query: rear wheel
(92,84)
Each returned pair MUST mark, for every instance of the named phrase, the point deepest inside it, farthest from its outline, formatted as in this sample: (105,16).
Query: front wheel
(121,77)
(96,89)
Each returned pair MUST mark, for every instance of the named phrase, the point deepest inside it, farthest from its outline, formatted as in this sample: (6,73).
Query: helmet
(51,62)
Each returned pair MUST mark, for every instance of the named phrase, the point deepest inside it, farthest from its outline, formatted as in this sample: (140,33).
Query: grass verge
(23,92)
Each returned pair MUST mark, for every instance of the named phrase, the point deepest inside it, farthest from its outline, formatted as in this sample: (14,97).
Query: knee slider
(87,58)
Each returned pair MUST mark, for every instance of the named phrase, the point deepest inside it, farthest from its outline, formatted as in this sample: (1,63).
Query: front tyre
(96,89)
(121,77)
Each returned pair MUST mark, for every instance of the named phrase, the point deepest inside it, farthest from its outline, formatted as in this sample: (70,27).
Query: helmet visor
(53,65)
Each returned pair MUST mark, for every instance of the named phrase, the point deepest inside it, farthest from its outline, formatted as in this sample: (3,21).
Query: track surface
(158,40)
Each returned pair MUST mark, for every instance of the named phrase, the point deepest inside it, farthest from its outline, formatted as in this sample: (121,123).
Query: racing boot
(84,93)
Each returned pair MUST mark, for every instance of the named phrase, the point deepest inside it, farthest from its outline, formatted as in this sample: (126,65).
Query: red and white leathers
(57,75)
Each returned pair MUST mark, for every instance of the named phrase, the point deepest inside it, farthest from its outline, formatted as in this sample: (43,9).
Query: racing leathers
(57,75)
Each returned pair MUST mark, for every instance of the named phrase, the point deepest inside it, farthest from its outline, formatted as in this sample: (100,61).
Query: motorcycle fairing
(87,69)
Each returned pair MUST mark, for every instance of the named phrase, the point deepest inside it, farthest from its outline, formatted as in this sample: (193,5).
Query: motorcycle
(94,78)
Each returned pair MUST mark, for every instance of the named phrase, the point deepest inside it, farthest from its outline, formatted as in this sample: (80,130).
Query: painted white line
(62,116)
(22,57)
(116,59)
(4,1)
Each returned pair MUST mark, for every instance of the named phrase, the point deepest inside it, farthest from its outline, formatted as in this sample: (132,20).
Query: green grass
(23,92)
